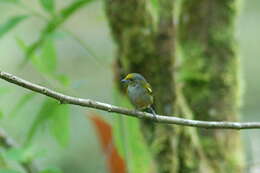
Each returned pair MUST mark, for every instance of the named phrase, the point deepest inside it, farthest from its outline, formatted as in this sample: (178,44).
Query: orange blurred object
(114,161)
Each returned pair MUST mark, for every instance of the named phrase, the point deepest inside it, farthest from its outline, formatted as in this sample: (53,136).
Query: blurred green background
(248,41)
(85,53)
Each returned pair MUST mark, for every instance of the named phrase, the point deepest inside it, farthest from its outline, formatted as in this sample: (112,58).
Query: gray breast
(139,96)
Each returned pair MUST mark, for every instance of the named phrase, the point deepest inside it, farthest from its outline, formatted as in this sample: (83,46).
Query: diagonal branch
(65,99)
(5,140)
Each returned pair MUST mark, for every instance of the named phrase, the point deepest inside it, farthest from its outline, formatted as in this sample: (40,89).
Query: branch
(7,142)
(65,99)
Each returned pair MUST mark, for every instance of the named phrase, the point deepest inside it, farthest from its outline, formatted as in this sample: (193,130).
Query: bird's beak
(124,81)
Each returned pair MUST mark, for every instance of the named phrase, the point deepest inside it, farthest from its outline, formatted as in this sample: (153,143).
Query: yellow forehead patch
(129,76)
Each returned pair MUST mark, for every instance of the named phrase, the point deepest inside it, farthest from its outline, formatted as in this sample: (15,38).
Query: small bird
(139,92)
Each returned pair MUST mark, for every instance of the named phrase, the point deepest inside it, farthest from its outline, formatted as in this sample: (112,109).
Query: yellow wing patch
(148,87)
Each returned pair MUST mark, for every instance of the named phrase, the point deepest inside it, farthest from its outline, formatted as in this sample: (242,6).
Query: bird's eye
(131,79)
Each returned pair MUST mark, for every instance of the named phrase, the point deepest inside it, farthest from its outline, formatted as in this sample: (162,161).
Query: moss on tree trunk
(146,44)
(147,47)
(210,74)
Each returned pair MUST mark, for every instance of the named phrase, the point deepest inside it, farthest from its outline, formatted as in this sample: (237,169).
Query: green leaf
(22,102)
(23,154)
(67,11)
(63,79)
(58,35)
(60,124)
(155,10)
(3,170)
(129,139)
(48,5)
(155,4)
(53,24)
(9,1)
(46,62)
(4,90)
(17,154)
(51,170)
(49,56)
(1,114)
(25,49)
(21,44)
(46,111)
(57,116)
(10,24)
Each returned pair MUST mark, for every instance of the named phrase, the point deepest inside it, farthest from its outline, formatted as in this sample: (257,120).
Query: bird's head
(133,79)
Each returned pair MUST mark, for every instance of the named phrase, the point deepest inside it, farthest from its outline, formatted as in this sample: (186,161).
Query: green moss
(209,73)
(141,48)
(210,69)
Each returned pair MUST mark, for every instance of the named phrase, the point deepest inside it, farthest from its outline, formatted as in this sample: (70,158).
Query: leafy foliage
(57,115)
(51,170)
(60,124)
(21,103)
(48,5)
(22,154)
(5,170)
(9,1)
(1,114)
(54,23)
(4,90)
(68,11)
(49,56)
(129,139)
(42,54)
(17,154)
(47,60)
(43,116)
(155,4)
(11,23)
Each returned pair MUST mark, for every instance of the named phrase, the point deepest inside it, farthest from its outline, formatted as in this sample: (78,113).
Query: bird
(139,92)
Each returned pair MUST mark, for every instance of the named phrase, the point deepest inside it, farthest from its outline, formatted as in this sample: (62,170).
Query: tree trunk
(147,47)
(210,75)
(146,44)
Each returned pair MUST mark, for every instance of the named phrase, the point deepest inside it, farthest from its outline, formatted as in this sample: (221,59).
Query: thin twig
(7,142)
(65,99)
